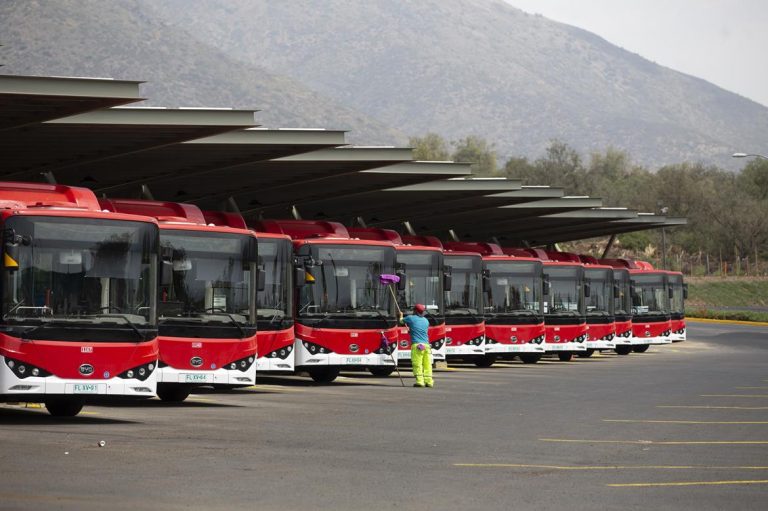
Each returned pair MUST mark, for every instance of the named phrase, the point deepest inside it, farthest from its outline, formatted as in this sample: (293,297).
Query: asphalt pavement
(679,427)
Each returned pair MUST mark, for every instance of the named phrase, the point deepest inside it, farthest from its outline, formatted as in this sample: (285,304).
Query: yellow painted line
(686,483)
(735,395)
(653,442)
(201,399)
(727,321)
(704,407)
(90,413)
(683,422)
(608,467)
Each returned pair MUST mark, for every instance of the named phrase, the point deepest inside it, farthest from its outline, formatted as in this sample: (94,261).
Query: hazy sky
(722,41)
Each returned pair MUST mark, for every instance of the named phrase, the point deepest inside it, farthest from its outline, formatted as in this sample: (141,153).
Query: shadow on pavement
(35,417)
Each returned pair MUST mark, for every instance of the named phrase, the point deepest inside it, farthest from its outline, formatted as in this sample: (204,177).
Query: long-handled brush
(389,281)
(385,347)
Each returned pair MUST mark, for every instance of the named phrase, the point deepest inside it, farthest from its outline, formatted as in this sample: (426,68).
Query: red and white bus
(565,307)
(344,316)
(622,311)
(420,261)
(464,320)
(79,299)
(599,305)
(651,320)
(207,310)
(274,300)
(512,304)
(677,305)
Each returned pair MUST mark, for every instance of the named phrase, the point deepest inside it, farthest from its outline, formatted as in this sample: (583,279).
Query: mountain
(459,67)
(125,39)
(386,69)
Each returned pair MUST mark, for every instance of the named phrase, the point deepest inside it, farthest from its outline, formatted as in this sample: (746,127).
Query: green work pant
(421,362)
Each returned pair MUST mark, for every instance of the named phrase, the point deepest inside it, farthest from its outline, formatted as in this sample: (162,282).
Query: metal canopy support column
(608,246)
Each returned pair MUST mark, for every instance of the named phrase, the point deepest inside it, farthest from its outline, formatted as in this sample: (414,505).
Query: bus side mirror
(401,283)
(685,291)
(587,290)
(547,286)
(616,291)
(261,280)
(486,280)
(671,292)
(166,273)
(447,278)
(300,277)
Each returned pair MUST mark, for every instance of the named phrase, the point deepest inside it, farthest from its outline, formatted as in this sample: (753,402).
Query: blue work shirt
(418,327)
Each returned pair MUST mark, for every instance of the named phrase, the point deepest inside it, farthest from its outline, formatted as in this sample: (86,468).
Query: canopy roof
(32,99)
(104,134)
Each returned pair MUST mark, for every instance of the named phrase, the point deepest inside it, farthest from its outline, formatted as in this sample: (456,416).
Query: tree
(479,152)
(430,147)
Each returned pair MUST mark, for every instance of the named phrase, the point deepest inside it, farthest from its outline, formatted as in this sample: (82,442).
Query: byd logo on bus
(86,369)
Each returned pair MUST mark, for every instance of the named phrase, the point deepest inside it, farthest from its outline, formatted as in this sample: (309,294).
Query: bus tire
(172,393)
(565,356)
(530,358)
(323,374)
(623,350)
(381,371)
(485,360)
(64,407)
(642,348)
(586,354)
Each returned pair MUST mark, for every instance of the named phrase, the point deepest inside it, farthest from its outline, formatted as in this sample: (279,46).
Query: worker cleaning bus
(421,352)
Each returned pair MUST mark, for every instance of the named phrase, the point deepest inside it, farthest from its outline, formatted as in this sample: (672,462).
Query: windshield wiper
(232,319)
(128,322)
(521,312)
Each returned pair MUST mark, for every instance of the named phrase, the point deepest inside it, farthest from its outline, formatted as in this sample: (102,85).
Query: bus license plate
(85,388)
(197,378)
(354,360)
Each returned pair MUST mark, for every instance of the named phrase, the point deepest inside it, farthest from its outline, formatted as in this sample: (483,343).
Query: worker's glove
(420,347)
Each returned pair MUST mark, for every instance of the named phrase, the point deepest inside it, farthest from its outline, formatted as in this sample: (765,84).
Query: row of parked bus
(123,298)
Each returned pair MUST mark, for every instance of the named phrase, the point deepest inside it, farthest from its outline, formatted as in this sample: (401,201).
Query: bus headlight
(23,369)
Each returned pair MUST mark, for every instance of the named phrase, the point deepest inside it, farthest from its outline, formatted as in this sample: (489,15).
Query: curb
(727,321)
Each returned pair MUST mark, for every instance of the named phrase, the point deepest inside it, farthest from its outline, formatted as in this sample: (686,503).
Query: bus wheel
(587,354)
(381,370)
(623,349)
(565,356)
(172,393)
(64,407)
(485,361)
(324,374)
(530,358)
(641,348)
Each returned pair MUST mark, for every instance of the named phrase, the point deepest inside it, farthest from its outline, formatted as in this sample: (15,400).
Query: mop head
(387,279)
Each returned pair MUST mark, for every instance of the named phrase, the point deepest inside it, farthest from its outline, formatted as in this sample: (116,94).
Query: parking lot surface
(679,427)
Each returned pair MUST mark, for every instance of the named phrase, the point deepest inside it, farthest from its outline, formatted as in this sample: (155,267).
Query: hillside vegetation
(480,67)
(731,292)
(124,39)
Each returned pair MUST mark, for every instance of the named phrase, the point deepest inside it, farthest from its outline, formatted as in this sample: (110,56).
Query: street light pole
(663,210)
(748,155)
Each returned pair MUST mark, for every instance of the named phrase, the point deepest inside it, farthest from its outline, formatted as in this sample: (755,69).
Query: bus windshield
(274,302)
(79,272)
(651,295)
(514,287)
(622,301)
(600,299)
(677,304)
(565,294)
(213,278)
(343,281)
(465,296)
(423,274)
